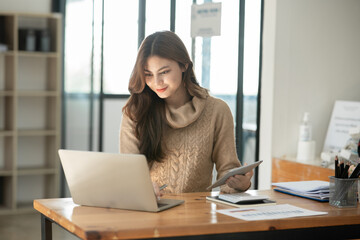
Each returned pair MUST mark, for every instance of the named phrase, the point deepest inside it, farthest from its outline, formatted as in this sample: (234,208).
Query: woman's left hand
(240,182)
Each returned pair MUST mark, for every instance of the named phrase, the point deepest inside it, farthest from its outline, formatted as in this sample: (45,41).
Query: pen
(336,166)
(356,172)
(345,172)
(163,186)
(341,169)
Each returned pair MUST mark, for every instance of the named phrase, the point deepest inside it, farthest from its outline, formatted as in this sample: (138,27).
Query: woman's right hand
(157,191)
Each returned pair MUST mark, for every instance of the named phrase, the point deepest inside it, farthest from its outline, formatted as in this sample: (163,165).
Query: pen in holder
(343,192)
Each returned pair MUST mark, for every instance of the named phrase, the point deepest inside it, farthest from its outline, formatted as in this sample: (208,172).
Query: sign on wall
(206,20)
(345,116)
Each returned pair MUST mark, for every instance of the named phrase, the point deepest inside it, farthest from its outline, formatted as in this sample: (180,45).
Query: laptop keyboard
(161,205)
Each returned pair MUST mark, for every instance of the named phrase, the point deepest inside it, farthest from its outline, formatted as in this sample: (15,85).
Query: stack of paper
(316,190)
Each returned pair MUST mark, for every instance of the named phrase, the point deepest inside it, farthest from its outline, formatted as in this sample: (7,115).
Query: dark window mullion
(172,15)
(59,7)
(193,42)
(240,90)
(91,96)
(257,144)
(115,96)
(101,99)
(142,17)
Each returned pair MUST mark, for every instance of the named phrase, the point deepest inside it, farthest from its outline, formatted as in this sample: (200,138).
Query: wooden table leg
(46,228)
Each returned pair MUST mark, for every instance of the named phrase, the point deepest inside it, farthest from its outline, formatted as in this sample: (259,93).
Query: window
(101,42)
(120,44)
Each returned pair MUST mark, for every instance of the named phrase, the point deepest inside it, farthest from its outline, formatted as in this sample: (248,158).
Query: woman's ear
(185,67)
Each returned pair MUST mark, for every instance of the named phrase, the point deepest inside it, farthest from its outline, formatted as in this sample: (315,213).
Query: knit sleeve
(224,150)
(128,141)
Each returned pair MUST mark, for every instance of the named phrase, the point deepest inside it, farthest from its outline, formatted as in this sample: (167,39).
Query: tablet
(236,171)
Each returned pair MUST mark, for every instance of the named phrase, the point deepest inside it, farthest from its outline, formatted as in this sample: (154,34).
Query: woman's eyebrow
(159,70)
(162,68)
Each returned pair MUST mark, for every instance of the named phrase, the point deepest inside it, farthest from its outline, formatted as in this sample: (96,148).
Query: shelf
(4,93)
(7,53)
(6,173)
(30,110)
(7,73)
(36,171)
(36,132)
(34,15)
(45,78)
(39,93)
(29,133)
(6,133)
(7,150)
(7,105)
(36,152)
(30,187)
(37,54)
(4,210)
(38,113)
(6,189)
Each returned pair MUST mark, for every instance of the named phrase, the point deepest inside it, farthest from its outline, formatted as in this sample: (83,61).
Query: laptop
(111,180)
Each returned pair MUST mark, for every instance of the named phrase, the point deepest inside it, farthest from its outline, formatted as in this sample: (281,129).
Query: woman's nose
(158,80)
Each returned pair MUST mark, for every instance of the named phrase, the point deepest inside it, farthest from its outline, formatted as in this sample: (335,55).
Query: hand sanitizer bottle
(305,133)
(306,146)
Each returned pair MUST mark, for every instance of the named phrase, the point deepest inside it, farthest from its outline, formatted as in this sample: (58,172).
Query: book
(243,204)
(315,190)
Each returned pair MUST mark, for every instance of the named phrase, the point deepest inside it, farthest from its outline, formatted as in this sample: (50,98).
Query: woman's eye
(147,74)
(165,72)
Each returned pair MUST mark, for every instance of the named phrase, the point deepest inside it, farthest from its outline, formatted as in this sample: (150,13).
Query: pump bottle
(306,146)
(305,131)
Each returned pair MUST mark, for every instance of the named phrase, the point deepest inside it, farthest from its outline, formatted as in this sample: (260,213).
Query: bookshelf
(30,111)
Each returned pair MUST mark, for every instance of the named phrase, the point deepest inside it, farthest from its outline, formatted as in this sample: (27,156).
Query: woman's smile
(160,90)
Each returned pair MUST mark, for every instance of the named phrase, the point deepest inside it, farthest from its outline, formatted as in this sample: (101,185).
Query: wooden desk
(197,219)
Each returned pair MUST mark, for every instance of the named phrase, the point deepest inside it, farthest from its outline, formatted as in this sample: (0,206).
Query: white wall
(28,6)
(316,61)
(267,85)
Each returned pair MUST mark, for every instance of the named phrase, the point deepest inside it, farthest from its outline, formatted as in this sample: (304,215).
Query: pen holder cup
(343,192)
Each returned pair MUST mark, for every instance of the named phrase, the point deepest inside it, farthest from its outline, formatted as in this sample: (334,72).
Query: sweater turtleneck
(185,115)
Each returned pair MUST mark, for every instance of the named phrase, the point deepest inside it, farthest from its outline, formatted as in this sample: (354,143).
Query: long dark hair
(144,107)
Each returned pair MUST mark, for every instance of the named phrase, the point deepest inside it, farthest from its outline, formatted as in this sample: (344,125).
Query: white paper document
(304,186)
(269,212)
(315,189)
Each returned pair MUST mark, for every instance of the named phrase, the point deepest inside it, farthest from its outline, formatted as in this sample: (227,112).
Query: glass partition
(101,42)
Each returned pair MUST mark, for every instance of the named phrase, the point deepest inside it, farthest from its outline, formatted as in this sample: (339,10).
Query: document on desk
(316,190)
(269,212)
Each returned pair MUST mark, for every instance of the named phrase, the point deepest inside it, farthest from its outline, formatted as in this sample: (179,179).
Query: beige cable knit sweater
(198,134)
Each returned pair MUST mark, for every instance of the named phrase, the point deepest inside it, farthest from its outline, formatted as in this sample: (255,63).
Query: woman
(175,123)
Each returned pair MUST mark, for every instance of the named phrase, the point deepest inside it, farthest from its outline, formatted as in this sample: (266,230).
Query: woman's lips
(160,90)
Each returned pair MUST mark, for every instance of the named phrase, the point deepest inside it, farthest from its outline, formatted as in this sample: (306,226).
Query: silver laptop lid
(109,180)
